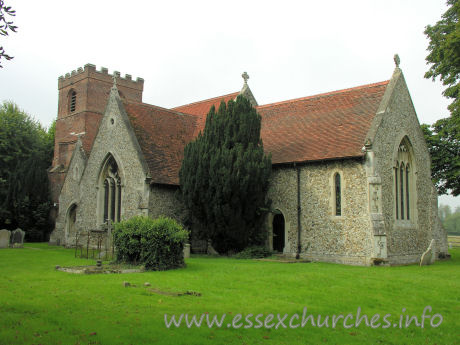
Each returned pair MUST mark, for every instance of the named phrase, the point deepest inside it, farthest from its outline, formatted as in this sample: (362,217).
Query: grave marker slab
(428,257)
(17,238)
(4,238)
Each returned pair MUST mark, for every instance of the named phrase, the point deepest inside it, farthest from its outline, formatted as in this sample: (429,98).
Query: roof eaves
(358,156)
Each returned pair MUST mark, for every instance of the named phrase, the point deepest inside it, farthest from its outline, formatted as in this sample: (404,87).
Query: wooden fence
(454,241)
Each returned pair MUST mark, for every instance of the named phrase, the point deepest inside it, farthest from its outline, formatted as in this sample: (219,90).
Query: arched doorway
(278,232)
(70,222)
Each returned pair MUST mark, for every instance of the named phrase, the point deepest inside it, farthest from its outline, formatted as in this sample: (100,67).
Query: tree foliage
(444,146)
(450,220)
(26,151)
(444,56)
(443,137)
(5,26)
(444,211)
(224,177)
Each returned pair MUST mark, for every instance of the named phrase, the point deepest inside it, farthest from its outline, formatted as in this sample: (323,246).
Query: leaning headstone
(429,256)
(4,238)
(211,250)
(17,238)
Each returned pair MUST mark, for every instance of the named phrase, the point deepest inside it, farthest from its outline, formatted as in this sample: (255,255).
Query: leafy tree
(224,177)
(444,56)
(26,151)
(443,137)
(450,220)
(444,146)
(444,211)
(452,223)
(5,26)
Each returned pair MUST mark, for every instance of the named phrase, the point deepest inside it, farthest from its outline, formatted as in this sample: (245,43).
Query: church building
(350,179)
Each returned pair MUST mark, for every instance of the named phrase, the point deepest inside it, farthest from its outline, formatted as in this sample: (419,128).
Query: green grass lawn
(39,305)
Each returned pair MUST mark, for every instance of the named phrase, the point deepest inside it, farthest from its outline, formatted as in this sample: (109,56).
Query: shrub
(156,243)
(254,252)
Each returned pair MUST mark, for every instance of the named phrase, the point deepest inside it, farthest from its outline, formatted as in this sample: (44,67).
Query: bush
(155,243)
(255,252)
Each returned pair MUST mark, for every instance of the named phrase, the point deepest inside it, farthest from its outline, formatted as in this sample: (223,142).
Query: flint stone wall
(325,236)
(406,239)
(70,194)
(114,137)
(163,202)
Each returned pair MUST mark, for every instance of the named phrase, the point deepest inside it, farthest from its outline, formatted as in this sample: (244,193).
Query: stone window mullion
(106,200)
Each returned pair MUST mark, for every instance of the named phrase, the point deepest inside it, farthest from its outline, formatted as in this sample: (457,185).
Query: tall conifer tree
(224,177)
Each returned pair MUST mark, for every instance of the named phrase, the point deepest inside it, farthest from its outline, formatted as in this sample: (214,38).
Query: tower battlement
(90,71)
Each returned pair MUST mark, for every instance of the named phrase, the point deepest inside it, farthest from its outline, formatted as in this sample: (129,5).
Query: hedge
(155,243)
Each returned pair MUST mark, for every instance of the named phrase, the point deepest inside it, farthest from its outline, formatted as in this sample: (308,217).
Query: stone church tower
(83,96)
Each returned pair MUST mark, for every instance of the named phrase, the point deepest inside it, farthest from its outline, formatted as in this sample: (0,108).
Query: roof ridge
(325,94)
(206,100)
(158,107)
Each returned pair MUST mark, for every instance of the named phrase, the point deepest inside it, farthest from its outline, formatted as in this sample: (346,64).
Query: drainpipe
(299,212)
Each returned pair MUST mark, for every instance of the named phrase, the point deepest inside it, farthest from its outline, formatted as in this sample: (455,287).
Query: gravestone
(17,238)
(211,250)
(4,238)
(186,251)
(429,256)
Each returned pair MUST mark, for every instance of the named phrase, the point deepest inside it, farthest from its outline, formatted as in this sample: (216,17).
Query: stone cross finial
(397,60)
(245,77)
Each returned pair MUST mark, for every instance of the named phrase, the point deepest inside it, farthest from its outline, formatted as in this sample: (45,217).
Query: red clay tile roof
(201,108)
(326,126)
(162,135)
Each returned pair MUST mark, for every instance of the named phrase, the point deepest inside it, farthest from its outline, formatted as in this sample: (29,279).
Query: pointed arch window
(111,192)
(404,187)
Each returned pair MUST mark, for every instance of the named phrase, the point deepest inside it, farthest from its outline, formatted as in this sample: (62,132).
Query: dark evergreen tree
(224,177)
(26,151)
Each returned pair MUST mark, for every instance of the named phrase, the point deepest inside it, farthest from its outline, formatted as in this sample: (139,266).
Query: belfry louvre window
(404,187)
(73,101)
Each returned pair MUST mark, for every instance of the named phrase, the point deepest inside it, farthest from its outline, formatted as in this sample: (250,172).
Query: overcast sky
(192,50)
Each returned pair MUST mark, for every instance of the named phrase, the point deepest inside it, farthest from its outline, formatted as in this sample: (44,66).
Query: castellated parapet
(89,71)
